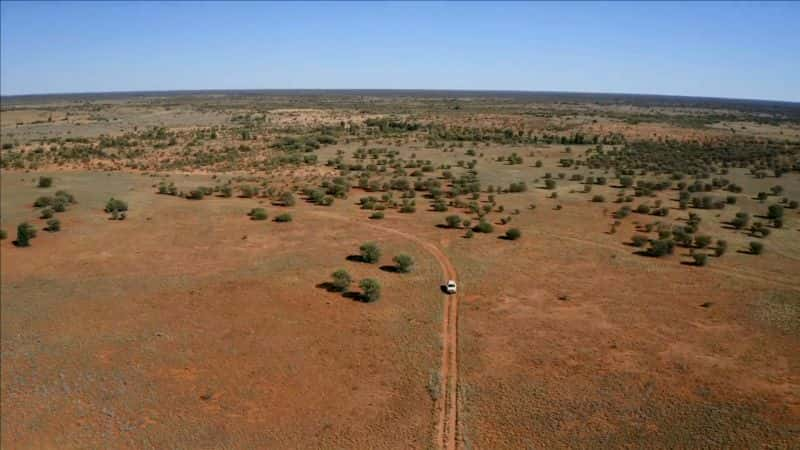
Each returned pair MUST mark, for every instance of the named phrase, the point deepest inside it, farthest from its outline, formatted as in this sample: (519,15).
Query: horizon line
(386,90)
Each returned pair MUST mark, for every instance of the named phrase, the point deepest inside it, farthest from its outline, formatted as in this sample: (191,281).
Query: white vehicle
(451,287)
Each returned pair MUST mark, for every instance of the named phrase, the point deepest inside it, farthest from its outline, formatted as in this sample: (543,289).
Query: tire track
(446,405)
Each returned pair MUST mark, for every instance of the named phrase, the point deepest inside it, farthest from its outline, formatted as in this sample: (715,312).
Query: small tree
(371,290)
(285,217)
(700,259)
(114,204)
(721,248)
(775,212)
(43,201)
(639,240)
(258,214)
(661,247)
(53,225)
(45,182)
(287,199)
(404,262)
(25,232)
(756,248)
(513,234)
(702,241)
(453,221)
(341,280)
(370,252)
(483,227)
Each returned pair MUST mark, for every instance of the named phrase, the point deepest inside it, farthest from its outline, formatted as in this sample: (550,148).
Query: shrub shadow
(355,258)
(355,296)
(390,269)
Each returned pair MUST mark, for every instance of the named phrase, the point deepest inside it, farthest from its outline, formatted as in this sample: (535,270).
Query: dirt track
(446,405)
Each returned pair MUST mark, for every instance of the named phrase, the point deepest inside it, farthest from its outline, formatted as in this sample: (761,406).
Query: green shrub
(721,248)
(248,191)
(45,182)
(25,232)
(258,214)
(196,194)
(639,240)
(453,221)
(661,247)
(377,215)
(741,220)
(285,217)
(53,225)
(483,227)
(114,204)
(59,204)
(513,234)
(371,290)
(287,199)
(469,234)
(403,262)
(700,259)
(598,199)
(756,248)
(775,212)
(43,201)
(47,213)
(702,241)
(370,252)
(341,280)
(3,234)
(65,196)
(226,191)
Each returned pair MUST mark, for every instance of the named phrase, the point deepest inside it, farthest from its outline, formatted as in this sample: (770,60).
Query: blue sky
(741,50)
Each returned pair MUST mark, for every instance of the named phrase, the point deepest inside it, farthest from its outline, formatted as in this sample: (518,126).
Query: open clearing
(189,325)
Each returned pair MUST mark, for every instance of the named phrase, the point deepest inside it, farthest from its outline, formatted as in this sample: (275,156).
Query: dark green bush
(756,248)
(453,221)
(700,259)
(45,182)
(702,241)
(483,227)
(513,234)
(341,280)
(661,247)
(377,215)
(115,205)
(25,232)
(285,217)
(53,225)
(258,214)
(721,248)
(370,252)
(371,290)
(638,240)
(43,201)
(404,262)
(47,213)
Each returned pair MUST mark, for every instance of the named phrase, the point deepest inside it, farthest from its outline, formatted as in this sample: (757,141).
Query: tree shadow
(390,269)
(355,296)
(328,286)
(355,258)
